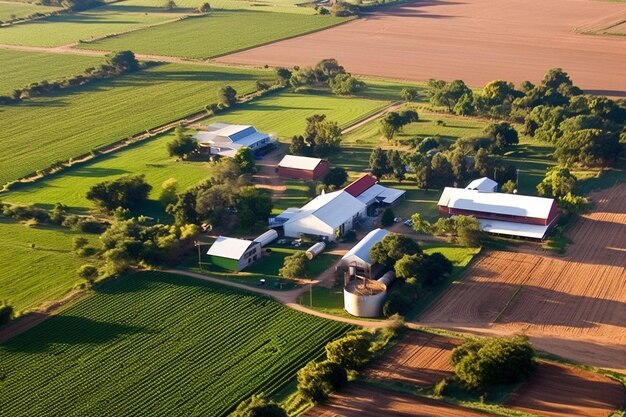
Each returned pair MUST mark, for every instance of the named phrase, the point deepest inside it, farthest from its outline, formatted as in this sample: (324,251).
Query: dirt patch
(557,390)
(573,306)
(475,40)
(420,358)
(361,400)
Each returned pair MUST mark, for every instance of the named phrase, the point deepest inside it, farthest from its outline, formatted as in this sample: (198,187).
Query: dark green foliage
(245,158)
(466,229)
(480,364)
(379,163)
(123,61)
(589,148)
(129,191)
(321,138)
(88,272)
(409,94)
(387,218)
(393,247)
(295,266)
(204,8)
(258,406)
(427,144)
(183,145)
(396,165)
(283,75)
(398,302)
(317,380)
(345,84)
(227,96)
(441,171)
(504,135)
(447,94)
(343,9)
(6,313)
(320,74)
(351,351)
(298,146)
(335,177)
(557,183)
(254,205)
(427,270)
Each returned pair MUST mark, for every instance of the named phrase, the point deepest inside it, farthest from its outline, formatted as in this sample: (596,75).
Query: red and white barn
(302,167)
(368,191)
(500,213)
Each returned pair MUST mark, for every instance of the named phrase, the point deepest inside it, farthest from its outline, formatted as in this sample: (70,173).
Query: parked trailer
(315,250)
(267,237)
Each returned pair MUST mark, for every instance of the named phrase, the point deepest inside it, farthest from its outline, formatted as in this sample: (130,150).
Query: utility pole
(517,178)
(311,294)
(198,245)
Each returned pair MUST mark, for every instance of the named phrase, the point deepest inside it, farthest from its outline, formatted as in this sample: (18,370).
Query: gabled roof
(362,249)
(334,208)
(380,193)
(229,247)
(484,184)
(356,188)
(497,203)
(513,229)
(299,162)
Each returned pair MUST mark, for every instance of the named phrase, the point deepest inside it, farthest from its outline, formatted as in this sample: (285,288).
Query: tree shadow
(412,10)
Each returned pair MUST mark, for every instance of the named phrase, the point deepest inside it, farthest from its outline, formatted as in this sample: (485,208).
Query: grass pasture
(22,68)
(73,122)
(8,9)
(219,33)
(158,344)
(32,276)
(70,28)
(282,6)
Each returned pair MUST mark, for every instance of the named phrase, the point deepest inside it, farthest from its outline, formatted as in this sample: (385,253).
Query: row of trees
(321,138)
(465,230)
(393,122)
(327,72)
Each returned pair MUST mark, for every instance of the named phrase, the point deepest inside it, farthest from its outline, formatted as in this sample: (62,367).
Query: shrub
(128,192)
(393,247)
(440,388)
(317,380)
(227,96)
(258,406)
(86,251)
(295,266)
(387,218)
(88,272)
(6,313)
(351,351)
(79,242)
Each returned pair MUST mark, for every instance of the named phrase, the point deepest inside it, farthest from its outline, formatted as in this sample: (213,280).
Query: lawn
(43,130)
(10,9)
(22,68)
(219,33)
(31,276)
(157,344)
(66,29)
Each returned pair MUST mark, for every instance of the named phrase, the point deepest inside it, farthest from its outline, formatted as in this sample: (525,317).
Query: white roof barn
(360,253)
(484,184)
(229,247)
(299,162)
(224,139)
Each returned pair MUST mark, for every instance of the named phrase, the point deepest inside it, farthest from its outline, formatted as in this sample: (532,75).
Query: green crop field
(157,344)
(22,68)
(44,130)
(70,28)
(31,276)
(10,9)
(218,33)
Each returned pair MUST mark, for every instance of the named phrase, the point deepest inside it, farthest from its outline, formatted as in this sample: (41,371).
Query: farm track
(573,306)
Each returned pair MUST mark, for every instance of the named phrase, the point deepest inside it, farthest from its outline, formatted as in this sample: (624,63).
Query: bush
(258,406)
(6,313)
(350,236)
(479,364)
(388,217)
(79,242)
(317,380)
(88,272)
(295,266)
(128,192)
(351,351)
(87,251)
(393,247)
(440,388)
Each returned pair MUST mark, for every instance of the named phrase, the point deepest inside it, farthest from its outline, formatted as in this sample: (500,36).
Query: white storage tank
(364,297)
(267,237)
(315,250)
(387,278)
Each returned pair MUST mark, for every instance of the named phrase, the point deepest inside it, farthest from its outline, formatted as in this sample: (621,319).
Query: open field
(73,122)
(477,41)
(89,24)
(573,306)
(22,68)
(10,8)
(360,400)
(282,6)
(158,344)
(561,391)
(216,34)
(31,276)
(420,359)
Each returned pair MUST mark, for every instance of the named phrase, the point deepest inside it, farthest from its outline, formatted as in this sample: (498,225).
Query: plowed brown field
(561,391)
(474,40)
(420,359)
(573,306)
(361,400)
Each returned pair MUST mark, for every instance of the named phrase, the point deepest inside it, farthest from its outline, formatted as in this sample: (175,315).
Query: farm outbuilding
(359,255)
(500,213)
(267,237)
(234,254)
(484,185)
(302,167)
(224,139)
(367,190)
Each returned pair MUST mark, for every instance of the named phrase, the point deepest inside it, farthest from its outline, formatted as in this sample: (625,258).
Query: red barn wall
(296,173)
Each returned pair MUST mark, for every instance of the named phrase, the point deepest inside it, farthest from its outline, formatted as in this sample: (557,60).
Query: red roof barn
(302,167)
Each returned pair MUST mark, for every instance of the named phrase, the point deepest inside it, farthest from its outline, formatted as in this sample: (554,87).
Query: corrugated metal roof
(497,203)
(356,188)
(362,249)
(484,184)
(513,229)
(378,192)
(229,247)
(334,208)
(299,162)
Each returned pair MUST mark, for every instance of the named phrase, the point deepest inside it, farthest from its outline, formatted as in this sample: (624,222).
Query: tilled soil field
(421,359)
(361,400)
(476,40)
(573,306)
(561,391)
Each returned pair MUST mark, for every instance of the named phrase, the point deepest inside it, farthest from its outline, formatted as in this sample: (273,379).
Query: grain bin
(387,278)
(315,250)
(364,297)
(267,237)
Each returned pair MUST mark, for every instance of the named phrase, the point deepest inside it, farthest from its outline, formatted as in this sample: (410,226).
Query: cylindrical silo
(267,237)
(364,297)
(387,278)
(315,250)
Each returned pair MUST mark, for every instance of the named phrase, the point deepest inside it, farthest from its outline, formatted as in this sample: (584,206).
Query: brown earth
(573,306)
(561,391)
(360,400)
(474,40)
(420,359)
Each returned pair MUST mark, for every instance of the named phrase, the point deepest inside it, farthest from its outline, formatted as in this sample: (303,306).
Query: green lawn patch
(31,276)
(20,69)
(218,33)
(68,28)
(157,344)
(43,130)
(9,10)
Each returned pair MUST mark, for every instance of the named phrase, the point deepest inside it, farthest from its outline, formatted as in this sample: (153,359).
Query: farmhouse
(234,254)
(484,184)
(302,167)
(327,216)
(224,139)
(499,213)
(359,255)
(367,190)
